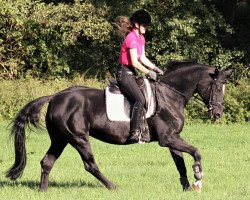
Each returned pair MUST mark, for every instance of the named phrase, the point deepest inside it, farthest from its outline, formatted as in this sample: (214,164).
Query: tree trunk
(228,9)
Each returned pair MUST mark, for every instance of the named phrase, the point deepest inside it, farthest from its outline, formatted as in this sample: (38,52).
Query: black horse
(78,112)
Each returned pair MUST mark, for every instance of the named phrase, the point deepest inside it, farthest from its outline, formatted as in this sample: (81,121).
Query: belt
(124,71)
(129,69)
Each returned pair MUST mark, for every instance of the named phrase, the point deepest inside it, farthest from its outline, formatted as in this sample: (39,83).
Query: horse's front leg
(175,142)
(180,165)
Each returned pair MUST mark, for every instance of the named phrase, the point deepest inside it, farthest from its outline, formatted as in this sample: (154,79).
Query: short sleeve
(131,43)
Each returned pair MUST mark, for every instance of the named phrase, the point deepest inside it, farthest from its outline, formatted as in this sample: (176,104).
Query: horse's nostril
(217,115)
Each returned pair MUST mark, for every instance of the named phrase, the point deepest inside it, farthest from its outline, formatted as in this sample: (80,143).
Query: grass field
(140,171)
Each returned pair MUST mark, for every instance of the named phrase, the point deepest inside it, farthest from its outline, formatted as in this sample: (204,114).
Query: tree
(47,39)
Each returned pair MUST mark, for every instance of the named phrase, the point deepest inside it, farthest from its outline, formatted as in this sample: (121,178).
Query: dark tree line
(60,38)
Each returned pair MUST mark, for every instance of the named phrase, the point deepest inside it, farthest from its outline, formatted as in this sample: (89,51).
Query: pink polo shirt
(131,41)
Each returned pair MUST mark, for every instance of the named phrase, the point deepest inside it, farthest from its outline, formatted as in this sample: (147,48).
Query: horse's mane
(174,65)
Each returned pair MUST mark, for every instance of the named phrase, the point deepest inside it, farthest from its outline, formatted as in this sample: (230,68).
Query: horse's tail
(29,114)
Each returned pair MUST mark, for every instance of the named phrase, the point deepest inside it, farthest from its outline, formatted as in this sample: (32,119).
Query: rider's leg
(136,119)
(131,89)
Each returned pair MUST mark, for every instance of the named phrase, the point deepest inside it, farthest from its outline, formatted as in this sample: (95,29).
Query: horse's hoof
(43,189)
(197,186)
(112,187)
(188,189)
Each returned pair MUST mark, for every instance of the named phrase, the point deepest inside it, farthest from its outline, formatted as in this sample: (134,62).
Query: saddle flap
(119,107)
(149,97)
(115,106)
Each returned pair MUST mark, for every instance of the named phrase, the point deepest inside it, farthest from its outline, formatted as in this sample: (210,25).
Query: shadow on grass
(52,184)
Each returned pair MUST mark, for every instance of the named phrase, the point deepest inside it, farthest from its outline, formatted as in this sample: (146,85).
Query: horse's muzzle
(217,116)
(215,111)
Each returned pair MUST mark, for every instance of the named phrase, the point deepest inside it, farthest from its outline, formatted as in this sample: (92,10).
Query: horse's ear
(228,72)
(215,74)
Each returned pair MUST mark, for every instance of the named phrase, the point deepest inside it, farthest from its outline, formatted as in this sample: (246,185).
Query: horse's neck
(182,82)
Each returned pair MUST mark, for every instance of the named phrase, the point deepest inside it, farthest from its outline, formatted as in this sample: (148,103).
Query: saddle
(119,107)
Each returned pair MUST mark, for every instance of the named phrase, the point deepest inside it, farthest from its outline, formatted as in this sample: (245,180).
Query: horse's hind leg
(48,161)
(180,165)
(84,149)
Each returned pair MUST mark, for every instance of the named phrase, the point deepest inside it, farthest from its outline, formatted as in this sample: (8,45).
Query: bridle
(176,91)
(214,94)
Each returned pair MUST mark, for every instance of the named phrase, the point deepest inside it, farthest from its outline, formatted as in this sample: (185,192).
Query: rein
(197,98)
(176,91)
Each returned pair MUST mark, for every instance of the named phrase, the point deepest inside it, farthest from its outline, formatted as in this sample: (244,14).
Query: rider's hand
(158,70)
(152,75)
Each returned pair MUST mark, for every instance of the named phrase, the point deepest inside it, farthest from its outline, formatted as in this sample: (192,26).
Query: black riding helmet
(141,17)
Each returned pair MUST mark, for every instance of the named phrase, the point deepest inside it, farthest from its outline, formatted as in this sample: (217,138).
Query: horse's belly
(111,132)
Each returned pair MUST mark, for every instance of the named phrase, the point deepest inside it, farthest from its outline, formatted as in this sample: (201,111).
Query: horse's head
(187,78)
(212,89)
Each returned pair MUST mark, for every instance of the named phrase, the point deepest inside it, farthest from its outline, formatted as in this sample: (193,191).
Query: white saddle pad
(115,104)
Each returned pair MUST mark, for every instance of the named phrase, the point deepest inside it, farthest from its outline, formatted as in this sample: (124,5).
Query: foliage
(60,39)
(16,93)
(184,30)
(47,39)
(190,30)
(236,105)
(40,39)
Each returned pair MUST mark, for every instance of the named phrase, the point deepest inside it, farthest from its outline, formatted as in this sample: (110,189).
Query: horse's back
(83,109)
(77,97)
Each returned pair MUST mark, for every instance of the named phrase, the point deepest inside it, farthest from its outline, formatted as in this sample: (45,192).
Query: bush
(15,94)
(38,39)
(236,105)
(41,39)
(190,30)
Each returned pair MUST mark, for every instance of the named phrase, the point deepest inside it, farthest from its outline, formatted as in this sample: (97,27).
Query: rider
(133,58)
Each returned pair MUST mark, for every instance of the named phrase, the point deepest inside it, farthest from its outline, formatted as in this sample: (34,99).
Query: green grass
(140,171)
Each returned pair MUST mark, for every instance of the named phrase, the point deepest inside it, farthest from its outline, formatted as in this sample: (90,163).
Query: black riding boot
(136,119)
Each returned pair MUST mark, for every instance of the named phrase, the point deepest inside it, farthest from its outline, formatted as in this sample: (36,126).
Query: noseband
(214,93)
(214,99)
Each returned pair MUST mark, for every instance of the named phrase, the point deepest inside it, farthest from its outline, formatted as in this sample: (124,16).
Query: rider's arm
(145,61)
(135,62)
